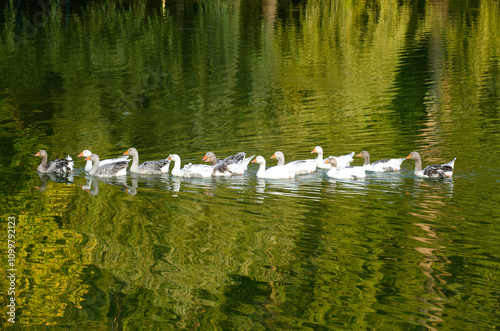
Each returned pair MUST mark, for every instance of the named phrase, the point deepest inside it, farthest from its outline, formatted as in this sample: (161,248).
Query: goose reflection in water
(283,187)
(176,184)
(92,185)
(442,187)
(66,178)
(431,244)
(131,189)
(349,186)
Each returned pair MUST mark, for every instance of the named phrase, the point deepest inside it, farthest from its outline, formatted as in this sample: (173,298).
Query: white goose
(320,162)
(88,165)
(344,172)
(277,172)
(113,169)
(380,165)
(342,160)
(57,166)
(232,165)
(149,167)
(189,170)
(297,167)
(438,171)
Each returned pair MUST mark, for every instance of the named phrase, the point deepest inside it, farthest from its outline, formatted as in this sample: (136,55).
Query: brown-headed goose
(232,165)
(114,169)
(380,165)
(438,171)
(57,166)
(149,167)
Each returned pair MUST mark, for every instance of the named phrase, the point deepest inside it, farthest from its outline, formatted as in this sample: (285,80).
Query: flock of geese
(338,166)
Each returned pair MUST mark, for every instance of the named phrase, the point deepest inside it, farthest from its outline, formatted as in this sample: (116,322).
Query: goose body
(276,172)
(380,165)
(113,169)
(297,167)
(149,167)
(190,170)
(342,160)
(232,165)
(55,166)
(347,172)
(437,171)
(88,165)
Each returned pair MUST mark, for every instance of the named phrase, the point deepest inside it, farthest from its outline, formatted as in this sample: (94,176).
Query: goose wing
(60,165)
(154,167)
(112,169)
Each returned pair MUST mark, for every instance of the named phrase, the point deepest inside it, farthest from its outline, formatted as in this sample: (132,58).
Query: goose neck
(262,169)
(320,156)
(135,161)
(418,163)
(43,164)
(367,160)
(281,159)
(177,164)
(95,167)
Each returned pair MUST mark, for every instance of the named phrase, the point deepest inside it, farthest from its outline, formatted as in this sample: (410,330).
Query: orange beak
(168,159)
(205,158)
(327,161)
(126,153)
(314,150)
(80,155)
(87,159)
(254,161)
(37,154)
(408,157)
(359,155)
(274,156)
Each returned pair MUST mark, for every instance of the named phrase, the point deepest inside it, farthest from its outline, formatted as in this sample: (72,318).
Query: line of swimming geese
(338,166)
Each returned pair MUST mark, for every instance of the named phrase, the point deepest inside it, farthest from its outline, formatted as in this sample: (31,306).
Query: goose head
(318,150)
(41,153)
(132,152)
(210,157)
(280,157)
(332,161)
(363,154)
(414,156)
(93,158)
(174,157)
(85,153)
(259,159)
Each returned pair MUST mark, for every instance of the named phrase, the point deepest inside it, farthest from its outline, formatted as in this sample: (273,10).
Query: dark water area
(391,251)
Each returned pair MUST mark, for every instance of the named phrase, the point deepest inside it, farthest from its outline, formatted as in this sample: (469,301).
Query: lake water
(389,252)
